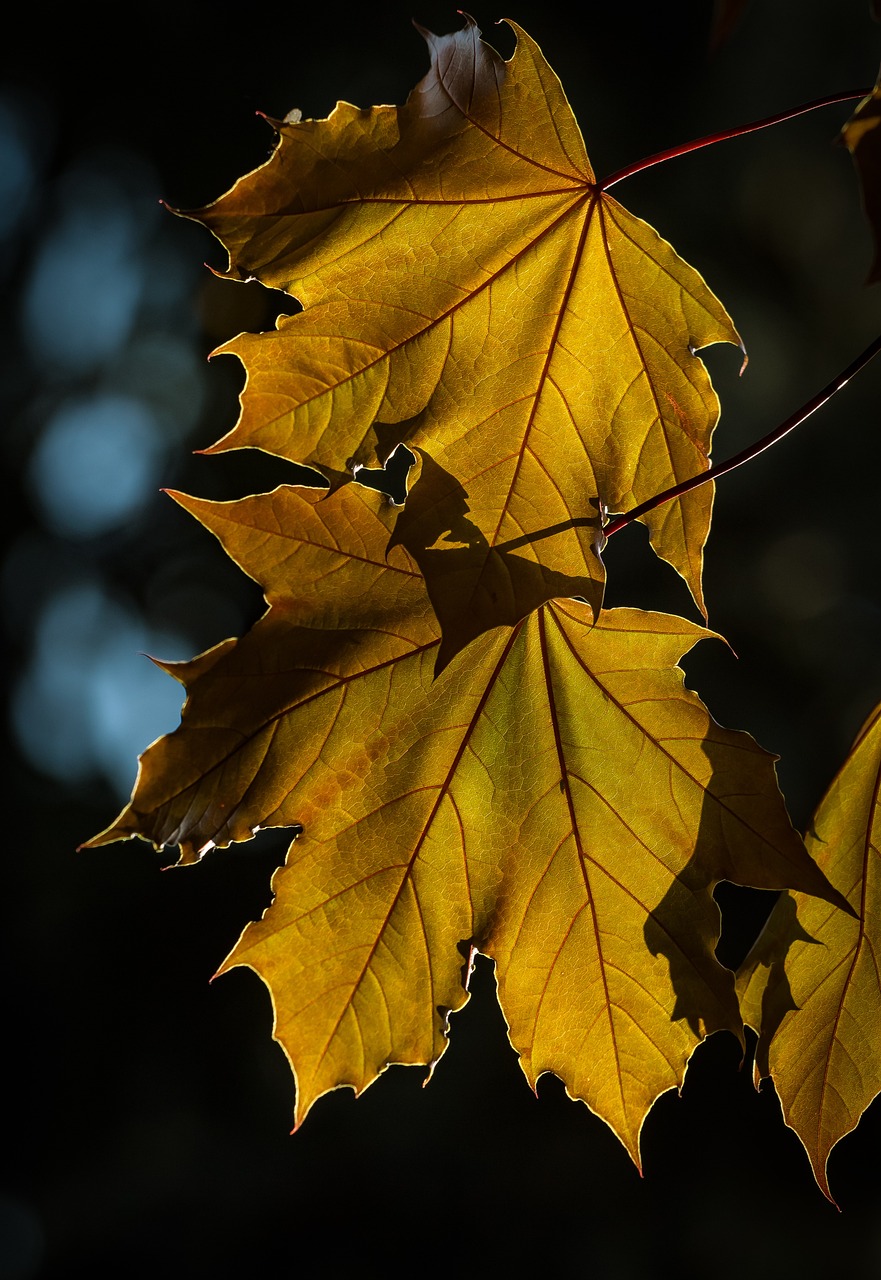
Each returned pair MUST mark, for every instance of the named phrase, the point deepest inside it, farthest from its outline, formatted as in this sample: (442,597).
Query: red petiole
(740,131)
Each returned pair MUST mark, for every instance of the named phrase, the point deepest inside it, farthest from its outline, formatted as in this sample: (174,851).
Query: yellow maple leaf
(471,290)
(811,986)
(556,799)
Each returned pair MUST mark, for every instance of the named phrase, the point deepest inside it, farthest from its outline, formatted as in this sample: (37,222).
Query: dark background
(146,1132)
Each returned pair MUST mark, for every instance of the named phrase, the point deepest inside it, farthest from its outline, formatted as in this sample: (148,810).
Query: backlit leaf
(469,289)
(812,984)
(556,799)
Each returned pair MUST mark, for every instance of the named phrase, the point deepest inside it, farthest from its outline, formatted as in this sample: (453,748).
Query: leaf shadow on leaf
(473,586)
(770,952)
(685,926)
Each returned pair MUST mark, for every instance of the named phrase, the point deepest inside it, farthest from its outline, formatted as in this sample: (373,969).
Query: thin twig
(753,450)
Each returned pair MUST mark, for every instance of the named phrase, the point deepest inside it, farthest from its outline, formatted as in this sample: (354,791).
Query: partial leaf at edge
(811,986)
(862,137)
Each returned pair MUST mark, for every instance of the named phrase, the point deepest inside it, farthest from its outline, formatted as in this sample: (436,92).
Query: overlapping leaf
(556,799)
(812,984)
(862,137)
(469,289)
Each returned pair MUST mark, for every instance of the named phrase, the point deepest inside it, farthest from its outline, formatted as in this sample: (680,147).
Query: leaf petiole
(723,135)
(751,451)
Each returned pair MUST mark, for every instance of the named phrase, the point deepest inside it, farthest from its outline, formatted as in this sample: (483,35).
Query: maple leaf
(556,799)
(811,986)
(862,137)
(470,289)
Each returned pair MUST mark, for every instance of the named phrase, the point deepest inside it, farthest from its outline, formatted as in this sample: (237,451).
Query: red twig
(753,450)
(686,147)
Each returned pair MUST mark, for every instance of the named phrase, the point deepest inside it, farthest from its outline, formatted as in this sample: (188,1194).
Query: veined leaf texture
(474,754)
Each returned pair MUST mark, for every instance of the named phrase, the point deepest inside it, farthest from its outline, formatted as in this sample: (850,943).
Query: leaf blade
(811,986)
(556,798)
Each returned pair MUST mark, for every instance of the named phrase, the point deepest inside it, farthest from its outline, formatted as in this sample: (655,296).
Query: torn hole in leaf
(390,479)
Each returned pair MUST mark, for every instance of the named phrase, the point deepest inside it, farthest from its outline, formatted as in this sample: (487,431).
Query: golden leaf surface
(469,289)
(862,137)
(811,986)
(556,799)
